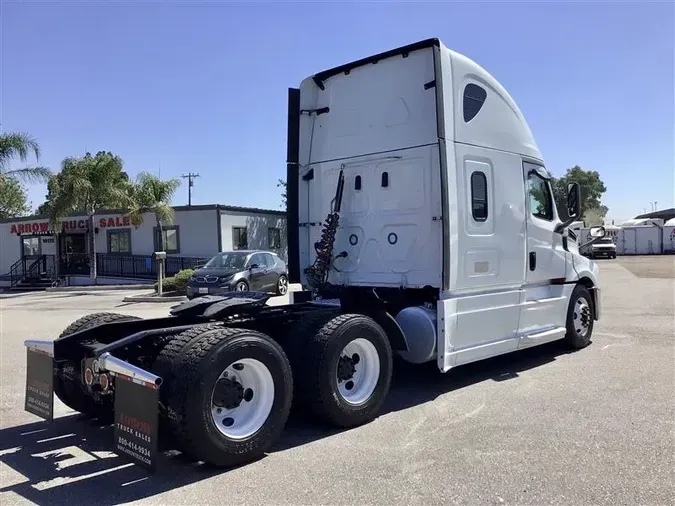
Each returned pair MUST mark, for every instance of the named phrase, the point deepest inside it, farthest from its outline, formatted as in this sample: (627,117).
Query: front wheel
(241,286)
(580,318)
(344,371)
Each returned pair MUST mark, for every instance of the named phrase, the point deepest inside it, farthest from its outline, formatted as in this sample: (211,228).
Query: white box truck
(421,222)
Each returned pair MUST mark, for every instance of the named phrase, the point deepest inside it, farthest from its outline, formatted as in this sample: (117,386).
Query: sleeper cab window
(539,197)
(479,196)
(473,100)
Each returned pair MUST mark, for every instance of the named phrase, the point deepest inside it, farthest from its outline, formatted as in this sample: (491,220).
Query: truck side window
(479,196)
(357,183)
(474,98)
(540,199)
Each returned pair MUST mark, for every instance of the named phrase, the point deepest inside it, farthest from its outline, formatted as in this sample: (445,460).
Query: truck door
(545,253)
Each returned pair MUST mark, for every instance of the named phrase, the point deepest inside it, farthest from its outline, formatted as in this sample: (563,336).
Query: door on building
(73,256)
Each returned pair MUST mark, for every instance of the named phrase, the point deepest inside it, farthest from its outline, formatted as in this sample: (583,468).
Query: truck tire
(169,357)
(232,396)
(70,389)
(296,340)
(344,371)
(580,318)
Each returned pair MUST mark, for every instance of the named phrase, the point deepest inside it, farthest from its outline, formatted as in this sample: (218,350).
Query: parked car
(605,247)
(240,270)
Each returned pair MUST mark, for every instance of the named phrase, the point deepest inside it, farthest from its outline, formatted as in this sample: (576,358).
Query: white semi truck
(421,222)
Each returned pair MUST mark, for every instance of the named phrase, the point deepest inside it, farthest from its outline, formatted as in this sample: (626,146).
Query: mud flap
(40,384)
(136,420)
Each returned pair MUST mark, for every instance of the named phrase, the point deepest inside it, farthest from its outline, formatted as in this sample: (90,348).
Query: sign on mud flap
(40,384)
(136,419)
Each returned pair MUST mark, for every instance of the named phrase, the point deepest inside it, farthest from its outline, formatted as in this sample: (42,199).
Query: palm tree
(153,195)
(19,145)
(89,184)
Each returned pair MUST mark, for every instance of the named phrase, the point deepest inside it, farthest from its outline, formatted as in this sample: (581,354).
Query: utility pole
(190,176)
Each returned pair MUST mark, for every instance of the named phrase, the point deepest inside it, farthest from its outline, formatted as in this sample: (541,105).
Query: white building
(28,247)
(669,236)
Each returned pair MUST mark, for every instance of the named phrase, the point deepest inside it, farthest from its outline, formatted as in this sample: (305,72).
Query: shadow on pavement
(71,460)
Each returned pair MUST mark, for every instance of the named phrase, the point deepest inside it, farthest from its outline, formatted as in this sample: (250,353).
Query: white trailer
(419,203)
(642,237)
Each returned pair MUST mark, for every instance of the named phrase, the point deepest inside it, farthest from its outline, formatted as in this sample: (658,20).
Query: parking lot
(541,426)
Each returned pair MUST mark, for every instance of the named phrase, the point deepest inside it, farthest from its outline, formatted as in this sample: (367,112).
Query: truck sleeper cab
(421,222)
(445,194)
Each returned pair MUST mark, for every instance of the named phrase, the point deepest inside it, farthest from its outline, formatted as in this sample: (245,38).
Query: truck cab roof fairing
(499,124)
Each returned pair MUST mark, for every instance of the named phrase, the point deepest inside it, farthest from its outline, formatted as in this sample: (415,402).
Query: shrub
(181,278)
(177,283)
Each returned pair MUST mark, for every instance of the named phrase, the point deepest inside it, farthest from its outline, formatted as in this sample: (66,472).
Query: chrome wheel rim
(582,317)
(241,287)
(283,285)
(358,371)
(242,398)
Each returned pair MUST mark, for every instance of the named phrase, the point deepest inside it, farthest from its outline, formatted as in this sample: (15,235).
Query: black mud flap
(136,419)
(40,384)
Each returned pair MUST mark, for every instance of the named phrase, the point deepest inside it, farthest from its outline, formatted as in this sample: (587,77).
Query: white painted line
(56,437)
(57,482)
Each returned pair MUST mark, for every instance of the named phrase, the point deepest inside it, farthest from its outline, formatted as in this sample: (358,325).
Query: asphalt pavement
(542,426)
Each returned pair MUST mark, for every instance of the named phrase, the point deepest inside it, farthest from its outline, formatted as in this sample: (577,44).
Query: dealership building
(31,254)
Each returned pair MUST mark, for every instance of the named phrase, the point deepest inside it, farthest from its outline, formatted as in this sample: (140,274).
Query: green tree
(592,190)
(150,194)
(19,145)
(282,184)
(13,198)
(89,184)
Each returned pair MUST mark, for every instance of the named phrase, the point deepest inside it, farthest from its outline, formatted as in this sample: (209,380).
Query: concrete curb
(154,298)
(98,288)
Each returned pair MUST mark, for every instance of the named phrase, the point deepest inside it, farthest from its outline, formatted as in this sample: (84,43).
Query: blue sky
(201,86)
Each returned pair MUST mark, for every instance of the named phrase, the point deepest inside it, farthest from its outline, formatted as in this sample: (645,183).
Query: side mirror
(597,232)
(253,266)
(573,200)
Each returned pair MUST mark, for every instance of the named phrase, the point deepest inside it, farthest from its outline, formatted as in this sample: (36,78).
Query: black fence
(141,266)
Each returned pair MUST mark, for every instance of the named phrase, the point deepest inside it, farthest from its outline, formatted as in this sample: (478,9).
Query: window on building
(239,238)
(274,238)
(119,242)
(171,240)
(540,198)
(474,98)
(30,246)
(479,196)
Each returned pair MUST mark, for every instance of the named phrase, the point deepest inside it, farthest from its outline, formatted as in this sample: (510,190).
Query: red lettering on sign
(111,222)
(126,221)
(13,230)
(44,227)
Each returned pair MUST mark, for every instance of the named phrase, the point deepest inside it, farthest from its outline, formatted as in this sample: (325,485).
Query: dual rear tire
(227,393)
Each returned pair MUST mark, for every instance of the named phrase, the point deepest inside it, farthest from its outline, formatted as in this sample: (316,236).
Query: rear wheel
(344,371)
(68,385)
(580,318)
(232,396)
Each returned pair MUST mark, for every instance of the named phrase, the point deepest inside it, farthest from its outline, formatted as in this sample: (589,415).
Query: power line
(190,176)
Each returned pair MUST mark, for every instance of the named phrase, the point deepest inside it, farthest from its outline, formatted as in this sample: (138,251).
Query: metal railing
(39,267)
(141,266)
